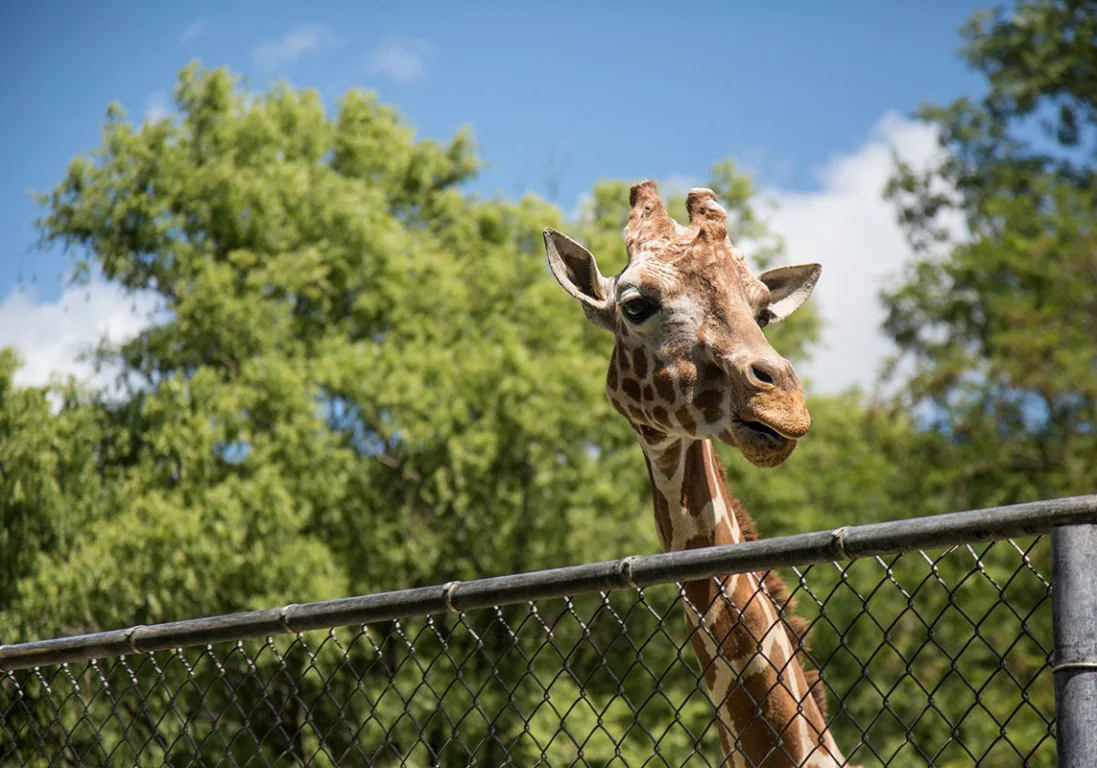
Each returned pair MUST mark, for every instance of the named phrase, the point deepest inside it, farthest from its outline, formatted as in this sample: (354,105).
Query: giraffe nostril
(761,374)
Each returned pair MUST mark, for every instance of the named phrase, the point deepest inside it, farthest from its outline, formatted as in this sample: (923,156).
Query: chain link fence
(933,639)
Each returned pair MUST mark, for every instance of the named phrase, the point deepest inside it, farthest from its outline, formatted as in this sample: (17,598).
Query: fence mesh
(929,658)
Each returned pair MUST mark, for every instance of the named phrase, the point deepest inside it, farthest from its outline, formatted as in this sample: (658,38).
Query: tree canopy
(359,376)
(999,318)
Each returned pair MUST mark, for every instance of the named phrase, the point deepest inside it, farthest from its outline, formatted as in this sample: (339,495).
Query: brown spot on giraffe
(667,462)
(660,415)
(685,419)
(688,310)
(662,513)
(710,373)
(685,374)
(710,402)
(640,363)
(624,365)
(664,385)
(693,480)
(631,389)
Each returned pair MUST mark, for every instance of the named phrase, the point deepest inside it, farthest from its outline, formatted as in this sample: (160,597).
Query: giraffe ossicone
(690,364)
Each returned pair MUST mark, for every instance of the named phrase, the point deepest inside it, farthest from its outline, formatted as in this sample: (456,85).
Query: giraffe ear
(789,288)
(576,270)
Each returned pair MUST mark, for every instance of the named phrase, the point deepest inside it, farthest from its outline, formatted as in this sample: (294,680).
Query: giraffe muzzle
(760,444)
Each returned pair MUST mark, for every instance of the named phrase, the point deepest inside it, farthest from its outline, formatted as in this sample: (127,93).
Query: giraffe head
(690,359)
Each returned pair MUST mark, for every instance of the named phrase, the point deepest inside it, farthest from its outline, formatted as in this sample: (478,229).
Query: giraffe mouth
(758,428)
(760,444)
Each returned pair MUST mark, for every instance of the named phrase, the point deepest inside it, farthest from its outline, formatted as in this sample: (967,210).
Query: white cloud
(402,60)
(276,54)
(193,31)
(849,228)
(156,107)
(51,336)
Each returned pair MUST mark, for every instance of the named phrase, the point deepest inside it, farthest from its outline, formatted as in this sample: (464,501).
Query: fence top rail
(846,543)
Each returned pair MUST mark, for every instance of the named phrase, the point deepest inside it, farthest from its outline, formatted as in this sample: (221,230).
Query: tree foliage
(999,313)
(358,377)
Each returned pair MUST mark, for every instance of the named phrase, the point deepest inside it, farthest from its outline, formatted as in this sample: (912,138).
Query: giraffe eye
(763,318)
(638,310)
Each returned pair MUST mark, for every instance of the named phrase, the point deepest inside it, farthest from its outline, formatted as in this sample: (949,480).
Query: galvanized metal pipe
(846,543)
(1074,611)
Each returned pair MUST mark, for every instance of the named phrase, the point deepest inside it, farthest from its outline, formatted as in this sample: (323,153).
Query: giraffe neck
(766,713)
(692,505)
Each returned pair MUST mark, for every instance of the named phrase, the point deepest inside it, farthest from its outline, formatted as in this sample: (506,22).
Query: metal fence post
(1074,612)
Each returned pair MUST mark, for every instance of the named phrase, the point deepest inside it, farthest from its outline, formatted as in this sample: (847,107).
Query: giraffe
(691,364)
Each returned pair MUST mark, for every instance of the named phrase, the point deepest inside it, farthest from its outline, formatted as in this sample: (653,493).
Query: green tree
(360,378)
(994,321)
(49,485)
(1000,324)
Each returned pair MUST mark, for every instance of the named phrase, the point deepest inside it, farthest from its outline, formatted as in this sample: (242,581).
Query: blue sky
(558,95)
